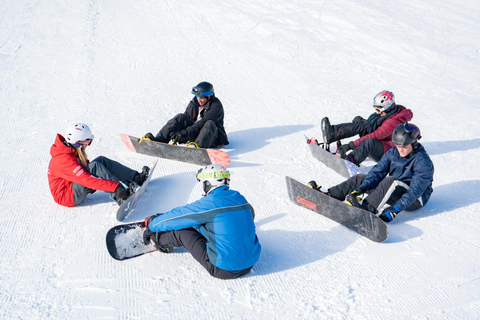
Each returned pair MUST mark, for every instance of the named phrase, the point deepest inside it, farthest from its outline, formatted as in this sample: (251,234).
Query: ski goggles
(216,175)
(199,93)
(85,142)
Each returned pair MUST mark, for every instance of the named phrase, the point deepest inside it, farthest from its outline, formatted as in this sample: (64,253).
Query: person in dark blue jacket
(218,230)
(401,180)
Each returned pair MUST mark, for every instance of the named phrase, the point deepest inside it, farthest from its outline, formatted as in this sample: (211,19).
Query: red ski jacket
(385,131)
(65,168)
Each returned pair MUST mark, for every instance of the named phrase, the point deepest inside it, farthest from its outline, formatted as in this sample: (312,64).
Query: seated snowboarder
(218,230)
(375,132)
(200,126)
(71,176)
(401,180)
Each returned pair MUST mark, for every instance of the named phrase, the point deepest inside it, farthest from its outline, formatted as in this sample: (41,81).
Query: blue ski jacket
(225,219)
(416,170)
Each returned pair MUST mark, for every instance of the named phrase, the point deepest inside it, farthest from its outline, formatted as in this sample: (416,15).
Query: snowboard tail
(361,221)
(345,168)
(127,207)
(126,241)
(200,156)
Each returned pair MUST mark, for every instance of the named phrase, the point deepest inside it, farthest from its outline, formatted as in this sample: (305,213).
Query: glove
(389,213)
(148,235)
(358,190)
(121,193)
(342,150)
(180,137)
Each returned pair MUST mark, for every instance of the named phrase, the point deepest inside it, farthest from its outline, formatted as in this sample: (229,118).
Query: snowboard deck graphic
(345,168)
(356,219)
(130,203)
(200,156)
(126,241)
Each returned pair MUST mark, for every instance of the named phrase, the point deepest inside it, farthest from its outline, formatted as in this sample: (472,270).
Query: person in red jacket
(375,132)
(71,176)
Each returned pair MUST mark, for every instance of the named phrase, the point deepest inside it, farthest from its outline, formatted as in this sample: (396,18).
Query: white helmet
(384,101)
(79,135)
(213,176)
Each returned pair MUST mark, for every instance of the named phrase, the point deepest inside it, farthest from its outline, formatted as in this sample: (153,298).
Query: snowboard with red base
(356,219)
(344,167)
(128,205)
(200,156)
(126,241)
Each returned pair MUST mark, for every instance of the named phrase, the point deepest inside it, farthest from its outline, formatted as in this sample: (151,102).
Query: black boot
(312,184)
(327,131)
(140,177)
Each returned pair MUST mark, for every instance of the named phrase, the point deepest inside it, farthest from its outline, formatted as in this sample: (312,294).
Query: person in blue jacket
(401,180)
(218,230)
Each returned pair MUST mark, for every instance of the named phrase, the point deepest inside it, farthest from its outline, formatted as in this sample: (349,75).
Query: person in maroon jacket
(375,132)
(71,176)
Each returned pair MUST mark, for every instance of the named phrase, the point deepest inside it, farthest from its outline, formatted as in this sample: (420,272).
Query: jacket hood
(60,148)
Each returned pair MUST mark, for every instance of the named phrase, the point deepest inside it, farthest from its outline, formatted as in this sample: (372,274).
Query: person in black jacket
(201,125)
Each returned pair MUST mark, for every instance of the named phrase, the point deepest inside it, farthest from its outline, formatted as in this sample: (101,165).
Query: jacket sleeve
(423,175)
(71,170)
(179,218)
(378,172)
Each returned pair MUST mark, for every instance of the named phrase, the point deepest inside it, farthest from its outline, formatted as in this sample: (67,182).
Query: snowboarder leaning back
(71,176)
(401,180)
(375,132)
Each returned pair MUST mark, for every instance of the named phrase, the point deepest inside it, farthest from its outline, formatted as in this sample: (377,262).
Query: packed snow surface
(278,67)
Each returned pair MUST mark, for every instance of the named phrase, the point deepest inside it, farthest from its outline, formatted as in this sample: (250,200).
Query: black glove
(389,213)
(342,150)
(121,193)
(180,137)
(358,190)
(148,235)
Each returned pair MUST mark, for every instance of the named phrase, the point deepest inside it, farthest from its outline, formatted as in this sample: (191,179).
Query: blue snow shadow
(441,147)
(249,140)
(445,198)
(284,250)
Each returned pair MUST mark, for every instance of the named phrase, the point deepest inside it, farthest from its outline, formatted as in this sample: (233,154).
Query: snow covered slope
(278,67)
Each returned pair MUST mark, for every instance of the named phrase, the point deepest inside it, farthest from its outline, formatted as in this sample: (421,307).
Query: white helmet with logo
(384,101)
(213,176)
(78,135)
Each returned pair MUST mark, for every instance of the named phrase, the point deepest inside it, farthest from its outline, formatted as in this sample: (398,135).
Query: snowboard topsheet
(356,219)
(343,167)
(126,241)
(198,156)
(130,203)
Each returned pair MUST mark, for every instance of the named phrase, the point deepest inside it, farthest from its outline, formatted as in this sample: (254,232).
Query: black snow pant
(369,147)
(104,168)
(206,138)
(195,243)
(388,192)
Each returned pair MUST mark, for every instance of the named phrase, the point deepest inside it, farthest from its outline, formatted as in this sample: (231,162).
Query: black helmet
(203,89)
(405,134)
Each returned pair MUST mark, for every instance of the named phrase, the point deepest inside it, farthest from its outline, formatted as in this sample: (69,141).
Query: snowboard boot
(192,144)
(140,177)
(353,200)
(312,184)
(327,131)
(132,187)
(149,136)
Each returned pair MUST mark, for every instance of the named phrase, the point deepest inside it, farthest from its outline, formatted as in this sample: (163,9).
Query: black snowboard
(356,219)
(130,203)
(198,156)
(126,241)
(343,167)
